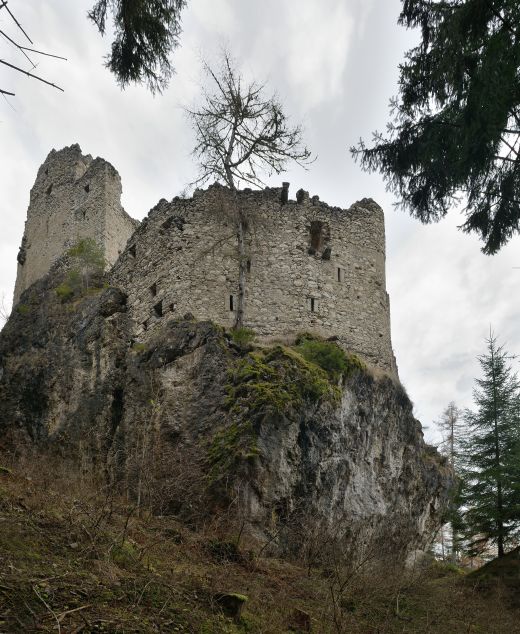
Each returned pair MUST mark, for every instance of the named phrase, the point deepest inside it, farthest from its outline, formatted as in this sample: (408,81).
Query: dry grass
(77,559)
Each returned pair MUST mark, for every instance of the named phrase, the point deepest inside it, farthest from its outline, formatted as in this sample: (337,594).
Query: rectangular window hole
(171,307)
(248,266)
(153,289)
(231,303)
(341,274)
(132,250)
(157,309)
(145,325)
(313,304)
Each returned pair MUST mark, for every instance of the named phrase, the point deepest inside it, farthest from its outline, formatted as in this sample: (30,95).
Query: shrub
(22,309)
(242,336)
(71,285)
(65,292)
(89,252)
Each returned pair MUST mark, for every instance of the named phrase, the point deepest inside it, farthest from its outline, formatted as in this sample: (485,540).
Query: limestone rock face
(170,421)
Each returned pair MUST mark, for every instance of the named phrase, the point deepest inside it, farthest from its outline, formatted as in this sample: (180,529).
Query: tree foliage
(491,473)
(455,132)
(145,34)
(89,258)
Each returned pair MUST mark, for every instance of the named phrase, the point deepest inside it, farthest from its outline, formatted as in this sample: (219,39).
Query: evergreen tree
(492,465)
(146,33)
(455,133)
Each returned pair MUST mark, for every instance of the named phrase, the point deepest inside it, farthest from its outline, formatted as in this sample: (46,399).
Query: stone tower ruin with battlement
(311,267)
(74,197)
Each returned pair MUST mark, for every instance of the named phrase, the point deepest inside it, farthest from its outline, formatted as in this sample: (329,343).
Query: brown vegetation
(76,558)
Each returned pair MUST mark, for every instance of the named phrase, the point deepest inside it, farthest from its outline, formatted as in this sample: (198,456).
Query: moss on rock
(271,383)
(230,446)
(277,380)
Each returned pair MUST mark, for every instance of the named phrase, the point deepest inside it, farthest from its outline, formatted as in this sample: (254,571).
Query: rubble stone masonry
(73,197)
(310,267)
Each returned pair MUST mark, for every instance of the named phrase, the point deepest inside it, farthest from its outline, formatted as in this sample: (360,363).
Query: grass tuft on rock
(329,356)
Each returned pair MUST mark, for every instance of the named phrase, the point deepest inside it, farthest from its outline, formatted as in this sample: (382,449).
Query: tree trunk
(242,268)
(498,465)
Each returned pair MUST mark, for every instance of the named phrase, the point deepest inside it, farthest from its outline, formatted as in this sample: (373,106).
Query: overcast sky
(334,64)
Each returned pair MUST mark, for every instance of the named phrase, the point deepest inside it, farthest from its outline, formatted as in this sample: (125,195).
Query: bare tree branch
(20,70)
(23,50)
(4,5)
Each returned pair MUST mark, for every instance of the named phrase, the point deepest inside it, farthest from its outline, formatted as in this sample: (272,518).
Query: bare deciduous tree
(25,51)
(453,433)
(4,311)
(240,135)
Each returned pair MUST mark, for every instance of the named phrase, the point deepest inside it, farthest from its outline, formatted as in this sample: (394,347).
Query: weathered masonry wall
(311,267)
(73,197)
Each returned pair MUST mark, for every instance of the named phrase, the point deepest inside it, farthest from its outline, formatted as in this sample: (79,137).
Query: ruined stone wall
(311,267)
(73,197)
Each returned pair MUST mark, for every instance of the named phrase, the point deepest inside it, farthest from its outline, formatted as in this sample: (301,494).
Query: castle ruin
(73,197)
(310,268)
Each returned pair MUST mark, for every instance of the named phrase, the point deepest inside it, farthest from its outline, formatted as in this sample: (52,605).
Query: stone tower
(74,197)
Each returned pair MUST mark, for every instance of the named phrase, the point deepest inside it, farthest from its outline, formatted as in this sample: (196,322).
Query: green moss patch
(277,380)
(23,309)
(271,383)
(229,447)
(329,356)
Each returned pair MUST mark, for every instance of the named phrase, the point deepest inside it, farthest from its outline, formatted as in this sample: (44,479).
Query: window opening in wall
(87,188)
(231,302)
(341,274)
(313,305)
(248,266)
(145,325)
(153,289)
(49,190)
(157,309)
(171,308)
(317,237)
(132,250)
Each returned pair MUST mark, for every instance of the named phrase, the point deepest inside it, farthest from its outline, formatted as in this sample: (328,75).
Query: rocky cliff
(297,441)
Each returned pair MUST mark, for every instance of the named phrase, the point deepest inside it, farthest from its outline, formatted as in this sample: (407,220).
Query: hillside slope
(77,559)
(290,441)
